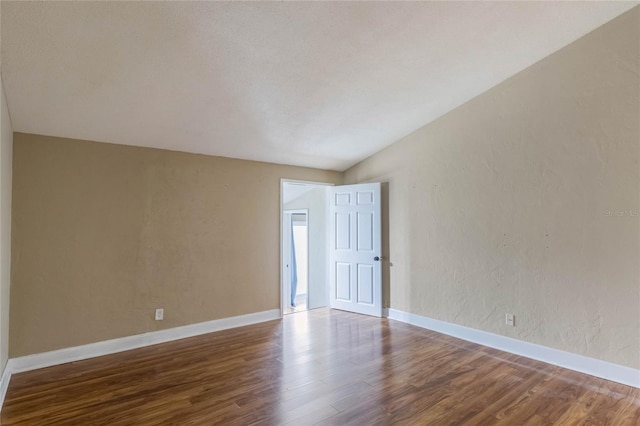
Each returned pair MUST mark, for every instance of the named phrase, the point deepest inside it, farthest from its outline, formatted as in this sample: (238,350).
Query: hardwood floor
(318,367)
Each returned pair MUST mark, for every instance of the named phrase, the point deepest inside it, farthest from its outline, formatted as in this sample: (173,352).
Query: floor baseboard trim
(594,367)
(92,350)
(4,384)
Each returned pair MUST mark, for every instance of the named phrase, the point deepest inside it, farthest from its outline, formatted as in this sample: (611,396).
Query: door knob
(377,258)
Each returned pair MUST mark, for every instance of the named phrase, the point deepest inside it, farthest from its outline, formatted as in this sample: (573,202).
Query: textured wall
(525,200)
(104,234)
(6,144)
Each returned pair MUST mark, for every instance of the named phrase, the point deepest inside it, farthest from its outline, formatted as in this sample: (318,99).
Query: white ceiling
(313,84)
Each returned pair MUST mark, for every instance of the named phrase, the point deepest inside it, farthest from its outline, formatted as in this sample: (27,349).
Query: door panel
(342,198)
(365,284)
(343,281)
(365,231)
(343,231)
(355,228)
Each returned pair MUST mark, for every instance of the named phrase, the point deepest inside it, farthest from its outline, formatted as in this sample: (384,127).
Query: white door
(354,250)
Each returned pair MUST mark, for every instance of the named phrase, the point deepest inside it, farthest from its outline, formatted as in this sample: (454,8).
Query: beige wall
(6,145)
(502,205)
(104,234)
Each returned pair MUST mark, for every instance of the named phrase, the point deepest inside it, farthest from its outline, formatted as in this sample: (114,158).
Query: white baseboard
(594,367)
(4,384)
(76,353)
(92,350)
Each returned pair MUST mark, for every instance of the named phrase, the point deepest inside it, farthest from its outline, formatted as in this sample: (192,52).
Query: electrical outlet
(510,319)
(159,314)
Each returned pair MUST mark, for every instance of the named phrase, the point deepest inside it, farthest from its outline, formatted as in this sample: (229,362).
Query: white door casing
(355,248)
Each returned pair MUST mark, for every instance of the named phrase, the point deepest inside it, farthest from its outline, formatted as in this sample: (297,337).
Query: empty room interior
(320,213)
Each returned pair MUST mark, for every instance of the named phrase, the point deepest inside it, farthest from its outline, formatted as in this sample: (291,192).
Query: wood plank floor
(322,367)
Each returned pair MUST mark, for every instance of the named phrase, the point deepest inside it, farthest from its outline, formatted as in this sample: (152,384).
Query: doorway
(304,241)
(296,261)
(343,256)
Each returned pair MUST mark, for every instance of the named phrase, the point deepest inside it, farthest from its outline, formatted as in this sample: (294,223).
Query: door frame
(282,272)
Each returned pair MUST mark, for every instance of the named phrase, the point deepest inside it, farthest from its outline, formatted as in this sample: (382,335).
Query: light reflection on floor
(301,305)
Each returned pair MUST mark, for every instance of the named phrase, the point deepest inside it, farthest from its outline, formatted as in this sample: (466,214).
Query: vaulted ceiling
(312,84)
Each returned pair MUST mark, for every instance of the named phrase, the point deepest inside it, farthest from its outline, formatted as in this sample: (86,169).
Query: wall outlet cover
(510,319)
